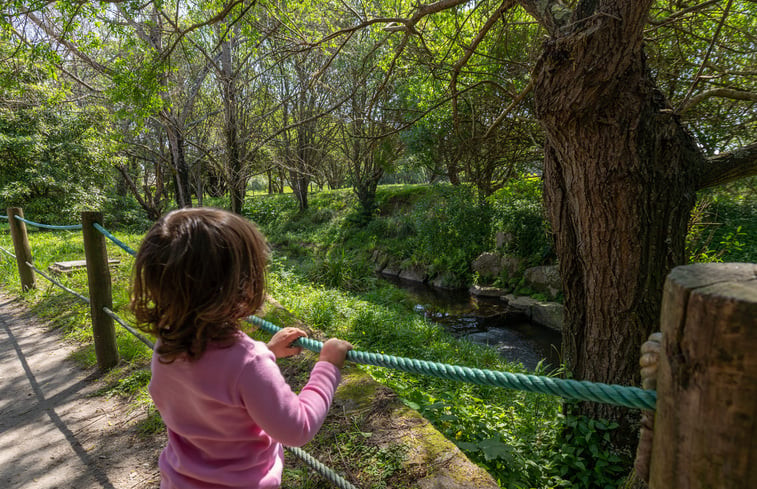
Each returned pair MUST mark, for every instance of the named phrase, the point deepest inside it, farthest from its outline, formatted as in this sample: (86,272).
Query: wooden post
(705,424)
(98,276)
(21,246)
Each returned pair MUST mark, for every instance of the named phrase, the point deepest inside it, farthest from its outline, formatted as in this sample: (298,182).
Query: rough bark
(619,187)
(707,383)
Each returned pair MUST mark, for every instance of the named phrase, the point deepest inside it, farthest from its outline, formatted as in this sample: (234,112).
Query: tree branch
(729,166)
(706,57)
(730,93)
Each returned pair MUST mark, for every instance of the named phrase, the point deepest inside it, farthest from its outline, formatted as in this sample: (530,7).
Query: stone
(482,291)
(414,274)
(488,265)
(391,270)
(512,265)
(502,239)
(521,304)
(549,314)
(380,260)
(544,279)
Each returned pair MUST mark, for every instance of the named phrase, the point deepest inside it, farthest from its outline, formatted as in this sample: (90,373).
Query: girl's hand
(281,342)
(335,351)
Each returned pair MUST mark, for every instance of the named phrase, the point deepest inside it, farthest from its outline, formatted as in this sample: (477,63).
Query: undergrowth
(322,272)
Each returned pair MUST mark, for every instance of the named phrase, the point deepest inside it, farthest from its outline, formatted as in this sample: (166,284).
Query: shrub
(517,211)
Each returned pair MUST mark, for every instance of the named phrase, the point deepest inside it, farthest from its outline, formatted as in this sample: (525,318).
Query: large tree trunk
(618,189)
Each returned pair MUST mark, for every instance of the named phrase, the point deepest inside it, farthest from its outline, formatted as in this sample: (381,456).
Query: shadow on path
(32,454)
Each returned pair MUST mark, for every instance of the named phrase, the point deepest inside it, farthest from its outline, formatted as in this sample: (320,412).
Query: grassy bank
(322,271)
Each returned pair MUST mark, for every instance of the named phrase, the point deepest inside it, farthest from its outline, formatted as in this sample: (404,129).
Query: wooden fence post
(705,426)
(21,247)
(98,276)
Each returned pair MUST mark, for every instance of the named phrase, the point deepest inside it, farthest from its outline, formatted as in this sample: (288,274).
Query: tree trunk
(618,190)
(182,186)
(299,183)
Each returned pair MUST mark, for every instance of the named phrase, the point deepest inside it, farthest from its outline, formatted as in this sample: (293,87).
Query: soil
(55,432)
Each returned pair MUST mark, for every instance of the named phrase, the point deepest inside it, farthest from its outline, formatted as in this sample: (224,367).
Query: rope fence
(626,396)
(581,390)
(115,240)
(70,227)
(128,328)
(58,284)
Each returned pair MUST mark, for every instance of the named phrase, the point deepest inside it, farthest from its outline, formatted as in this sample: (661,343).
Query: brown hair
(197,273)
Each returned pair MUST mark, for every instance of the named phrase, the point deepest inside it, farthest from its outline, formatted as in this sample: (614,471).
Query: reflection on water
(486,321)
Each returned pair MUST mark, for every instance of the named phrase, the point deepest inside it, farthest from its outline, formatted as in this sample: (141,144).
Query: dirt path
(53,433)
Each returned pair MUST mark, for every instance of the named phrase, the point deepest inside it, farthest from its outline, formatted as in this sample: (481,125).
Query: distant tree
(54,161)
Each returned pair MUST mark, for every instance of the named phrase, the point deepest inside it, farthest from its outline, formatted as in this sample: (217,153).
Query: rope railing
(626,396)
(321,469)
(118,242)
(128,328)
(55,282)
(582,390)
(49,226)
(7,252)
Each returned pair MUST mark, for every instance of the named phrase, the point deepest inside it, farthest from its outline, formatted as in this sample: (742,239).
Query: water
(485,320)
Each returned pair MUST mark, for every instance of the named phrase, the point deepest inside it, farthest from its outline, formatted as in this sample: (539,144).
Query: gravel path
(53,432)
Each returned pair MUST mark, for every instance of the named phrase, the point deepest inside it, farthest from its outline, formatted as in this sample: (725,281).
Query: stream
(484,320)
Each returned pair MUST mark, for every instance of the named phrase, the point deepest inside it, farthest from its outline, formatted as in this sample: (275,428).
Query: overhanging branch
(729,166)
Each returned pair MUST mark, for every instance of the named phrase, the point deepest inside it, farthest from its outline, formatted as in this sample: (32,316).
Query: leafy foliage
(518,213)
(53,158)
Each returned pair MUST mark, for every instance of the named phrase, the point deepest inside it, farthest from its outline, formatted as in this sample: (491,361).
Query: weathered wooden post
(705,427)
(21,247)
(98,276)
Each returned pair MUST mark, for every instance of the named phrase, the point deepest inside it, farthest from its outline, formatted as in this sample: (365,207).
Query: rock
(391,270)
(414,273)
(445,281)
(512,265)
(544,279)
(488,265)
(549,314)
(380,260)
(502,239)
(481,291)
(522,304)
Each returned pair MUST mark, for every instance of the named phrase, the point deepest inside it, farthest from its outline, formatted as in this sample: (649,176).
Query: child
(226,406)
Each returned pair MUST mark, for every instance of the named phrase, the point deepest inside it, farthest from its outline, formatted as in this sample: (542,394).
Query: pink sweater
(229,412)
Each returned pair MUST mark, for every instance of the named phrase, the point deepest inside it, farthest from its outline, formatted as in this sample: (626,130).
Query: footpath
(54,433)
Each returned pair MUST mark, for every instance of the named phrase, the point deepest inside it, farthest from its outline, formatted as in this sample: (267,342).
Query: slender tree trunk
(299,183)
(618,190)
(182,185)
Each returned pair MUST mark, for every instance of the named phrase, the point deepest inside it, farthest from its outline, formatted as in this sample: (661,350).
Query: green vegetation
(322,273)
(723,226)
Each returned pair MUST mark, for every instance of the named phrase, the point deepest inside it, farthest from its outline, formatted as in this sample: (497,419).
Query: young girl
(226,406)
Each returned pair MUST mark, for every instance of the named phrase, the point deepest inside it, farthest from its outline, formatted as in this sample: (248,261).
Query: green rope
(47,226)
(582,390)
(108,235)
(317,466)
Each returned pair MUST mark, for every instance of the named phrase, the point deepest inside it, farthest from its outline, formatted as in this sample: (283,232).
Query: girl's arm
(287,417)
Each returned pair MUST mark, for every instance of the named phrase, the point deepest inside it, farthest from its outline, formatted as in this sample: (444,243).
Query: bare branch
(730,166)
(706,58)
(517,100)
(675,16)
(58,37)
(729,93)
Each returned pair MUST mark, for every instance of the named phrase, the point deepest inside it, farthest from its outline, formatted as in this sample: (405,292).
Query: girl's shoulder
(243,350)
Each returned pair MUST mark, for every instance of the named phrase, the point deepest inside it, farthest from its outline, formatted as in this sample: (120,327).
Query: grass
(322,273)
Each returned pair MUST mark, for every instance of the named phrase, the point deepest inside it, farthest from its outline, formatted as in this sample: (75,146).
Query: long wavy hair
(198,272)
